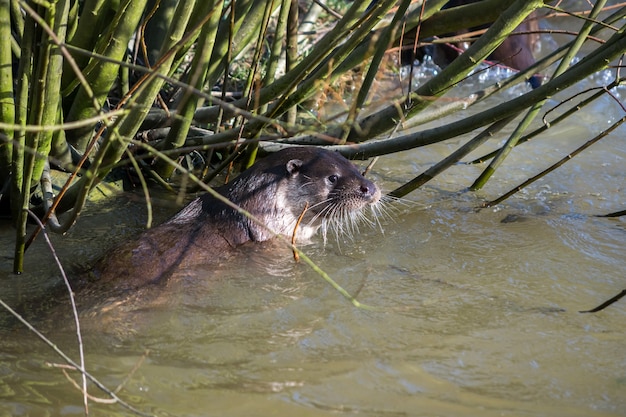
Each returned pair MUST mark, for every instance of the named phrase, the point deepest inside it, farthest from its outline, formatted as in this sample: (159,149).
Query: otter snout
(369,191)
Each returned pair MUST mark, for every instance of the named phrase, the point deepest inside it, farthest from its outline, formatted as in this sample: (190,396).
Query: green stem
(199,66)
(101,75)
(51,93)
(557,164)
(237,30)
(318,76)
(291,54)
(612,49)
(545,126)
(18,193)
(38,115)
(451,159)
(272,65)
(536,108)
(387,118)
(156,27)
(380,47)
(114,145)
(92,21)
(7,103)
(322,49)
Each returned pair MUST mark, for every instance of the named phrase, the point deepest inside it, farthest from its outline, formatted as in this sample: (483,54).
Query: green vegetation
(94,86)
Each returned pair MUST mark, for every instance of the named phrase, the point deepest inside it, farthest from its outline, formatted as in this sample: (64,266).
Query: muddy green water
(476,310)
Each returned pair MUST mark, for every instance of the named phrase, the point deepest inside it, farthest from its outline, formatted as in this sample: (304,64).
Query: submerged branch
(70,361)
(607,303)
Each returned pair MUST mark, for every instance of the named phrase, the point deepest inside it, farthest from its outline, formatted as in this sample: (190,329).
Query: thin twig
(64,367)
(70,292)
(614,214)
(69,360)
(85,393)
(370,165)
(296,257)
(606,303)
(556,165)
(81,368)
(144,187)
(548,124)
(132,371)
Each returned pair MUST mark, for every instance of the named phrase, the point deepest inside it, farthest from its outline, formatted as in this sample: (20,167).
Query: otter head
(329,189)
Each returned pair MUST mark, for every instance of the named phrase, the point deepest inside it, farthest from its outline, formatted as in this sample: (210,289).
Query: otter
(323,185)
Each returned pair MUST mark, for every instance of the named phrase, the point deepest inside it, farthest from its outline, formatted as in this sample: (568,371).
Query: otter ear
(293,166)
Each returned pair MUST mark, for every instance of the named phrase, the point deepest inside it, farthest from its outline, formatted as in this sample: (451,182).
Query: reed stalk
(7,101)
(198,71)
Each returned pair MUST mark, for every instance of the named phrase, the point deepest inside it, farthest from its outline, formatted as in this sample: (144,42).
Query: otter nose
(369,190)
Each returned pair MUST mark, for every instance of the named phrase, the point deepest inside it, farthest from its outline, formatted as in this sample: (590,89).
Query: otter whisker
(311,182)
(314,206)
(377,213)
(346,222)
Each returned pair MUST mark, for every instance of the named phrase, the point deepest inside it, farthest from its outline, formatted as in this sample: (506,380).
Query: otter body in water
(276,191)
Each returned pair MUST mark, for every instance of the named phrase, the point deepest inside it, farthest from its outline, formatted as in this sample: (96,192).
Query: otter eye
(333,178)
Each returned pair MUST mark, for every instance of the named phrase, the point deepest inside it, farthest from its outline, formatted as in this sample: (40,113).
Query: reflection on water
(476,311)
